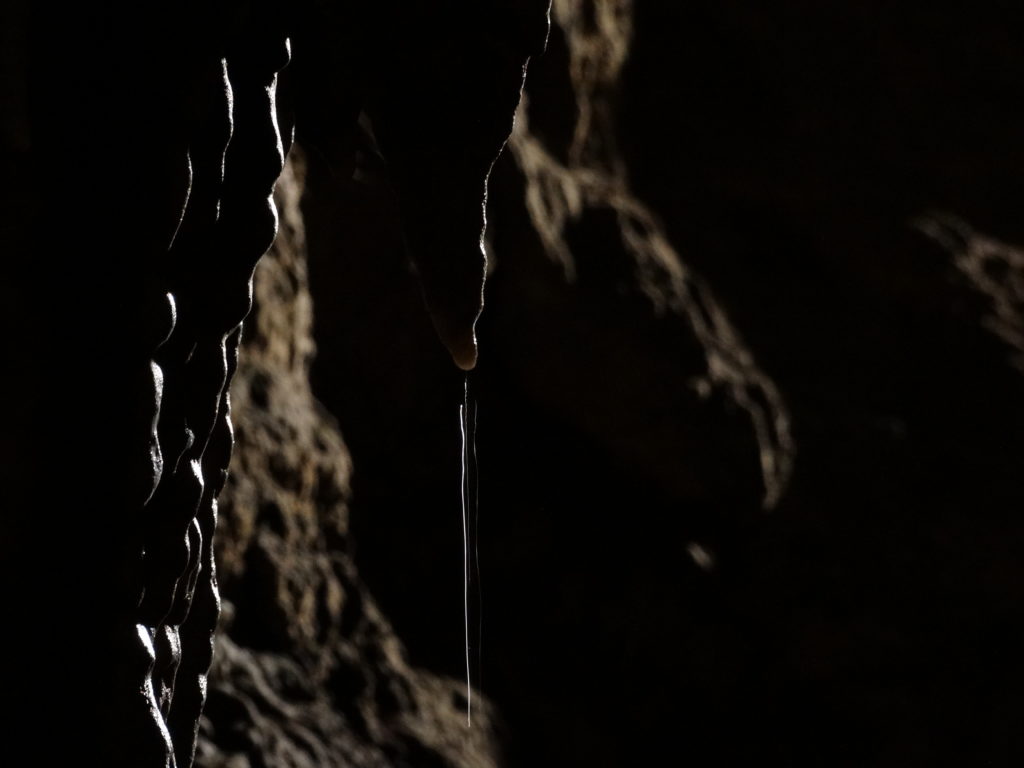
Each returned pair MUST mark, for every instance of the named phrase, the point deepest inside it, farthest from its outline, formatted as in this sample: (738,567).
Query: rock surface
(307,671)
(739,255)
(165,132)
(126,345)
(748,409)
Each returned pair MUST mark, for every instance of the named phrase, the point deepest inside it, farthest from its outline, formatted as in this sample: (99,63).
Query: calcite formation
(750,424)
(140,152)
(709,290)
(307,670)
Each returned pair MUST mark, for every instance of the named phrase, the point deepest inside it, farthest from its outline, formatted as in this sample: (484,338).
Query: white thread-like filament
(475,538)
(463,412)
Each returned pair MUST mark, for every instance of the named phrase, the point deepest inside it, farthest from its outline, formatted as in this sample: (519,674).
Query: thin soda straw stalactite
(470,497)
(463,430)
(475,474)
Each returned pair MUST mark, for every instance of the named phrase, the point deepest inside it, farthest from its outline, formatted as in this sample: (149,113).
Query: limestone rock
(307,671)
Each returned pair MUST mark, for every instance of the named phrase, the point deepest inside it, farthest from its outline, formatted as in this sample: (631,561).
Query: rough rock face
(163,130)
(748,396)
(994,269)
(739,253)
(885,589)
(611,387)
(186,141)
(308,671)
(572,205)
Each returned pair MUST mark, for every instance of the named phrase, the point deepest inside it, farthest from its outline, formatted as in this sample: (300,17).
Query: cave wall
(162,136)
(140,152)
(748,387)
(846,242)
(307,671)
(749,395)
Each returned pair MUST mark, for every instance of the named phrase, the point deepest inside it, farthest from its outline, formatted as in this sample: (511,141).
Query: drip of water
(470,496)
(475,474)
(464,433)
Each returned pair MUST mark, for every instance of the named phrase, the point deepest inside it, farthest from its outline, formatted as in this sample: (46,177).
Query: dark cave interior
(748,387)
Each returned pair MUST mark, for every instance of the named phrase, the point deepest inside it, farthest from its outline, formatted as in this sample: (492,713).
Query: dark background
(873,615)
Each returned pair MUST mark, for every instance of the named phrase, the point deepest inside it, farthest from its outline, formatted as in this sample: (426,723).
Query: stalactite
(169,121)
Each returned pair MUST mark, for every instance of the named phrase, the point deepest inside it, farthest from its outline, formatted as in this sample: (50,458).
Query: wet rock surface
(749,410)
(307,670)
(140,153)
(127,434)
(750,425)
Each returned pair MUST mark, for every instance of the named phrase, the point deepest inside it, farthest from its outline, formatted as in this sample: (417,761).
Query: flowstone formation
(186,139)
(140,155)
(748,386)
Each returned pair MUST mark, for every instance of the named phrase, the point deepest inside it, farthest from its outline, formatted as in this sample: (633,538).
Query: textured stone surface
(612,386)
(309,672)
(750,425)
(730,242)
(175,158)
(811,143)
(140,153)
